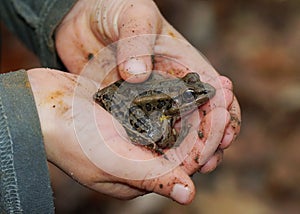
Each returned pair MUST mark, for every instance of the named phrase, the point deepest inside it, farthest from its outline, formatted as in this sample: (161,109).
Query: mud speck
(200,134)
(90,56)
(171,34)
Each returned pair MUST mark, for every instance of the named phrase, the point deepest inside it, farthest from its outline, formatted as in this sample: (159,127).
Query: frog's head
(196,90)
(194,94)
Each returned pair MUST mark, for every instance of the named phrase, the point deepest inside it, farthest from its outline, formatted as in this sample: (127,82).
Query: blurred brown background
(256,44)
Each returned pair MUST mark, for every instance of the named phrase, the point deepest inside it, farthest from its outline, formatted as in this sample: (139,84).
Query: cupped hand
(64,103)
(144,41)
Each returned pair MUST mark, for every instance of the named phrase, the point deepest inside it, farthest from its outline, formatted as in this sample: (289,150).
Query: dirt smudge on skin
(56,101)
(170,33)
(90,56)
(55,95)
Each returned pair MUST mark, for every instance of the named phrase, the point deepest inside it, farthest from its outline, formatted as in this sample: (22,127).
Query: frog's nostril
(205,91)
(208,90)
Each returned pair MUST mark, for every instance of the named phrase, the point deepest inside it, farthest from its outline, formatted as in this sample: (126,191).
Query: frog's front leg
(184,131)
(169,134)
(143,140)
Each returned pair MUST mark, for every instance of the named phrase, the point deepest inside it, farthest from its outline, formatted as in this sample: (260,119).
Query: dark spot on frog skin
(131,122)
(90,56)
(119,114)
(148,107)
(161,186)
(137,124)
(161,104)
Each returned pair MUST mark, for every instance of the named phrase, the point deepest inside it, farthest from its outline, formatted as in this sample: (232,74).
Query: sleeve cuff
(24,177)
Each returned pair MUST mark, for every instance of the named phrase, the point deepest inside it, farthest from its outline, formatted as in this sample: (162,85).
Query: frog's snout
(210,91)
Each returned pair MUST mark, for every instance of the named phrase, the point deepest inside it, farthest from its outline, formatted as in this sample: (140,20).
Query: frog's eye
(188,95)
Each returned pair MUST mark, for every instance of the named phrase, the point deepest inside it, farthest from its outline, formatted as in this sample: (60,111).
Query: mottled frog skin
(149,110)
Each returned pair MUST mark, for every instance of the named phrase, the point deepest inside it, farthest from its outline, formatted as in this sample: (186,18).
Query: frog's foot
(183,133)
(159,151)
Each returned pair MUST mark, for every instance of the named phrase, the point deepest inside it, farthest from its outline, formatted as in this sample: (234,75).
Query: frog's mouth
(205,95)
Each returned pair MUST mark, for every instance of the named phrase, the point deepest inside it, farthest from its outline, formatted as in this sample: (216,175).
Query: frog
(149,110)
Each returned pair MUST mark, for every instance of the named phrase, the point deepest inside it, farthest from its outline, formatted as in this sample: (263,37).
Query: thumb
(176,185)
(138,23)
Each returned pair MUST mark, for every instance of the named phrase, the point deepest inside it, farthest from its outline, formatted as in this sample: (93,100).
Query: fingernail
(181,193)
(135,66)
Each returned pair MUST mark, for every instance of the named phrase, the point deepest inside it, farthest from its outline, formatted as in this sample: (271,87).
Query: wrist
(53,92)
(53,96)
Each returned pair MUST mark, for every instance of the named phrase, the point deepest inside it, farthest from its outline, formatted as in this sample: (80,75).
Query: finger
(222,99)
(213,162)
(220,82)
(207,140)
(176,185)
(234,126)
(72,52)
(213,127)
(138,23)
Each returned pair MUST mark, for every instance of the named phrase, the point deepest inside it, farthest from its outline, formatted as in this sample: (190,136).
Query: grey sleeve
(24,177)
(35,21)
